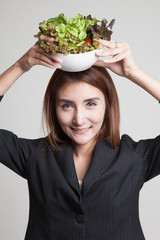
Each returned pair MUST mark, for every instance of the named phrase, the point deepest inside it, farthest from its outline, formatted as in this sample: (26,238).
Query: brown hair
(97,77)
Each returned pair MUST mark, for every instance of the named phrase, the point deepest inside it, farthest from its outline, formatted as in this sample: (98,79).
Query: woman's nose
(79,117)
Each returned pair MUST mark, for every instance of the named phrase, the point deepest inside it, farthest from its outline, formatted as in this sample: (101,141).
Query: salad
(74,35)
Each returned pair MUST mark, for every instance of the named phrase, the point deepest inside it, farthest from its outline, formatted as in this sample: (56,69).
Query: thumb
(101,63)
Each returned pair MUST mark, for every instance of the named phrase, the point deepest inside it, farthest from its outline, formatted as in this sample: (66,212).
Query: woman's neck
(82,155)
(84,150)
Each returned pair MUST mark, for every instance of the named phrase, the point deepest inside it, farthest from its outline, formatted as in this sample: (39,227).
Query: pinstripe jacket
(107,205)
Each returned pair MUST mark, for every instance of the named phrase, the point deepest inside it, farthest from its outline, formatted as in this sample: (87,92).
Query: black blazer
(107,205)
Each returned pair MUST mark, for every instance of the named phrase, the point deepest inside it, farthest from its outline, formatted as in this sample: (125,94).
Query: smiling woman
(68,116)
(82,108)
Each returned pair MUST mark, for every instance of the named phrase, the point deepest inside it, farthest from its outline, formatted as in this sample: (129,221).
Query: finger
(112,51)
(45,64)
(46,38)
(38,58)
(41,62)
(49,62)
(101,63)
(55,57)
(117,57)
(112,44)
(108,44)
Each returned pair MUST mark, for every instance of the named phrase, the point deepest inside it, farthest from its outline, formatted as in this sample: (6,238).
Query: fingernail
(58,65)
(97,53)
(60,60)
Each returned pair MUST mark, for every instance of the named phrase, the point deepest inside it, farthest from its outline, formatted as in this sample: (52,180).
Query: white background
(137,22)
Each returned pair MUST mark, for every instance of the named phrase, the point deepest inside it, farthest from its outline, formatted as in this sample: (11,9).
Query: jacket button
(80,218)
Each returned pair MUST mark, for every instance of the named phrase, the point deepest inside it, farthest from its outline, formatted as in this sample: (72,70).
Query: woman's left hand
(122,61)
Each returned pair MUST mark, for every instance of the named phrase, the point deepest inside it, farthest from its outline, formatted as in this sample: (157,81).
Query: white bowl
(79,61)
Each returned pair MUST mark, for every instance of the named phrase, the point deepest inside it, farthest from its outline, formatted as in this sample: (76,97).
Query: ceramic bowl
(78,62)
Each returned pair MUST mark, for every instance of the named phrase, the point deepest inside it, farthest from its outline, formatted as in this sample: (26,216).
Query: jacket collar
(102,159)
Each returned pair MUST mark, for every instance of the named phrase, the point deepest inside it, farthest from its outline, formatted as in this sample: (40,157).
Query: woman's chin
(82,141)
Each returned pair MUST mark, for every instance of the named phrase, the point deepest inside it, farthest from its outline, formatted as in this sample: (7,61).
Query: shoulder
(126,139)
(10,138)
(142,145)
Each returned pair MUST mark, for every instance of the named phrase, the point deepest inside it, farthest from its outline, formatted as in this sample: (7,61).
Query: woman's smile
(80,131)
(80,117)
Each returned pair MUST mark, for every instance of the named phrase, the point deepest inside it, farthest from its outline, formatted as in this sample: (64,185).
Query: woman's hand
(34,56)
(37,56)
(123,64)
(122,61)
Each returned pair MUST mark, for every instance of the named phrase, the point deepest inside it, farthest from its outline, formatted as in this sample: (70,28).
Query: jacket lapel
(103,158)
(66,164)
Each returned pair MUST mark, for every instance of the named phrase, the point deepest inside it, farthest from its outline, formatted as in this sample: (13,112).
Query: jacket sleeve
(148,151)
(14,152)
(1,98)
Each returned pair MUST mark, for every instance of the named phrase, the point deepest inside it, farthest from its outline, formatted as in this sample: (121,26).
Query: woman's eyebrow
(92,99)
(65,100)
(70,101)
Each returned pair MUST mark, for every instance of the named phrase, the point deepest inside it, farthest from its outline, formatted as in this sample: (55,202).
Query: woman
(83,144)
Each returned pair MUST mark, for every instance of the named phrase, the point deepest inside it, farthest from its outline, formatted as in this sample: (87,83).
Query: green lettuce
(71,34)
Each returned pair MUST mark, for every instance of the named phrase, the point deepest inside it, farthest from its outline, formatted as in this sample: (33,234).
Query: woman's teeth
(80,130)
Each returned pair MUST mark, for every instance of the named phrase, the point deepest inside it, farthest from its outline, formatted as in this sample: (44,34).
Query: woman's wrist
(151,85)
(23,64)
(19,68)
(137,76)
(8,77)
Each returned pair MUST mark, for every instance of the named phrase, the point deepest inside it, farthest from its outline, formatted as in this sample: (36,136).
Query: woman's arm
(34,56)
(9,77)
(148,83)
(123,64)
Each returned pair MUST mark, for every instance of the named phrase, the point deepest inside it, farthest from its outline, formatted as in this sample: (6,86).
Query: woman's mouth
(80,130)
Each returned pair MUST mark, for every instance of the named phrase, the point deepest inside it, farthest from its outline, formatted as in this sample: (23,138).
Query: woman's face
(80,109)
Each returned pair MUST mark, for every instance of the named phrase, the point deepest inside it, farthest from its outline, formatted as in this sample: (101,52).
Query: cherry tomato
(88,41)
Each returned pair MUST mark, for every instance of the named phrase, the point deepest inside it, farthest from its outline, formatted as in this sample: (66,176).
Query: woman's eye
(90,104)
(66,106)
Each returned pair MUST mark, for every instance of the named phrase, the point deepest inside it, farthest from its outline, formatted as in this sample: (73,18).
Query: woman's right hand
(36,55)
